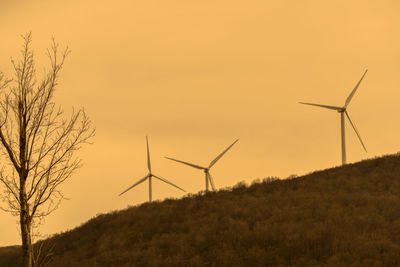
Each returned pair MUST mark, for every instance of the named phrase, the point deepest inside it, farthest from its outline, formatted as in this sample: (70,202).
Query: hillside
(345,216)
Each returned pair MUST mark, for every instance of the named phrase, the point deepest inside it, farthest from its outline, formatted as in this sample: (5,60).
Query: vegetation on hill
(345,216)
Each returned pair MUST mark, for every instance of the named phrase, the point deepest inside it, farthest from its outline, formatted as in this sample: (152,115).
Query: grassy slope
(345,216)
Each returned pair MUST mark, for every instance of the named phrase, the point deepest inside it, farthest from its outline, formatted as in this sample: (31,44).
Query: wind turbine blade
(140,181)
(322,106)
(168,182)
(187,163)
(355,129)
(220,155)
(148,155)
(354,90)
(211,181)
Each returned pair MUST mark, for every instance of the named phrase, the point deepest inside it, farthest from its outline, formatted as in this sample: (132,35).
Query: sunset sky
(196,75)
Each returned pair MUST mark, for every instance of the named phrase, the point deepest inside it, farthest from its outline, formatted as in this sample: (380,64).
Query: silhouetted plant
(37,143)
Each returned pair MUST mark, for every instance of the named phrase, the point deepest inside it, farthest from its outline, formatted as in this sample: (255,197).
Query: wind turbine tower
(149,176)
(343,111)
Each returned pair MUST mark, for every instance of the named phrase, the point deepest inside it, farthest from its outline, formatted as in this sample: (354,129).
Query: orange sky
(196,76)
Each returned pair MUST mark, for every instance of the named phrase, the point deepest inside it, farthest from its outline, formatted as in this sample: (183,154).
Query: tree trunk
(25,223)
(25,218)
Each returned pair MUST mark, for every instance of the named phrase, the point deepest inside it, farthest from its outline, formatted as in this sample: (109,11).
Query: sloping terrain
(345,216)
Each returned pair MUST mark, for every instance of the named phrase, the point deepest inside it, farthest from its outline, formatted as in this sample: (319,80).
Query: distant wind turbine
(343,111)
(150,175)
(206,169)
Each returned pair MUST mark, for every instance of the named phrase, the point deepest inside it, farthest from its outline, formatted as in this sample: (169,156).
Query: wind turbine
(206,169)
(150,175)
(343,111)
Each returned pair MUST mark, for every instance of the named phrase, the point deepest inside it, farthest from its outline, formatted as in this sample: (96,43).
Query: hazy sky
(196,75)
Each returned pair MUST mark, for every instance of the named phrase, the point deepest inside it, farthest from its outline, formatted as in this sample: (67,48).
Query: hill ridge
(342,216)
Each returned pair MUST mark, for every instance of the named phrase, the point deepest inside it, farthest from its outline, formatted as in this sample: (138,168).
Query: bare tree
(42,253)
(37,141)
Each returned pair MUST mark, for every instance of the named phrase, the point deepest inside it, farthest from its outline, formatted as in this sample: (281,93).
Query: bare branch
(9,150)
